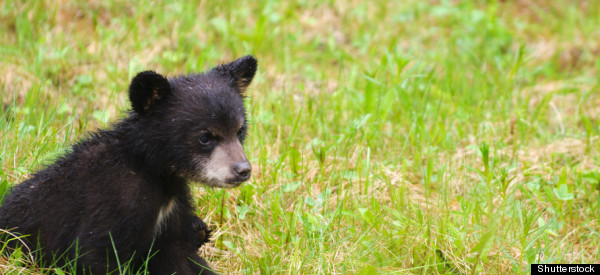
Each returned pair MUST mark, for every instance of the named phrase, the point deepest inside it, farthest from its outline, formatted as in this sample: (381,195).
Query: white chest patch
(163,215)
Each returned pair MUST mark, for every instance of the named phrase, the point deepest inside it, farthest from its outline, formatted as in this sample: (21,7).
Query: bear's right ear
(146,89)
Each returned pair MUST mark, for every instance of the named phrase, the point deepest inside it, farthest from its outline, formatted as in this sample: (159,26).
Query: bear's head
(194,125)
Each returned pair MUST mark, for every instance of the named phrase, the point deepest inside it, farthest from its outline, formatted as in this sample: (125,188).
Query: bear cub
(122,196)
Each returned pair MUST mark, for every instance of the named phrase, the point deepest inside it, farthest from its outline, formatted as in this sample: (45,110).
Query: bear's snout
(227,165)
(242,170)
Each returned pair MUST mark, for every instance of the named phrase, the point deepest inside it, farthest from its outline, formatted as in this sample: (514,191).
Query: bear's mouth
(230,183)
(237,182)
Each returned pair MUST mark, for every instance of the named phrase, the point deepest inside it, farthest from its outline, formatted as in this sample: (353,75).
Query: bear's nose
(242,170)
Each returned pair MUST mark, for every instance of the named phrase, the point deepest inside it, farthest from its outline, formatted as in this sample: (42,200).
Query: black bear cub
(122,195)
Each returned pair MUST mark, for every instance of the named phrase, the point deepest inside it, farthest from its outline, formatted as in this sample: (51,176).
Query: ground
(385,136)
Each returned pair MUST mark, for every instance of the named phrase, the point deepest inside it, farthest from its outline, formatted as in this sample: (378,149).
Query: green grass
(386,136)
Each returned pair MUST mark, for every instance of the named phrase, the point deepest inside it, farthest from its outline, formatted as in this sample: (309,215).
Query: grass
(451,137)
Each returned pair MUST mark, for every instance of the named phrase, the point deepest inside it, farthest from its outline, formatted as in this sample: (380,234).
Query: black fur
(108,190)
(147,89)
(240,72)
(203,233)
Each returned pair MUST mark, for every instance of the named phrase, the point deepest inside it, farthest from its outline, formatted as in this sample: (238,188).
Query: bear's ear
(146,89)
(240,72)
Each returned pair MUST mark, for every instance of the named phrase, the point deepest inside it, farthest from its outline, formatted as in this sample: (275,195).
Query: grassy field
(450,137)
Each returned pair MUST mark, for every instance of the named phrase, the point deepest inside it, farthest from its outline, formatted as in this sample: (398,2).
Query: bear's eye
(205,138)
(242,133)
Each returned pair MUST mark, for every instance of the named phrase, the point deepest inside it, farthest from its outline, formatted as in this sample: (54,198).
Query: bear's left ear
(146,90)
(240,72)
